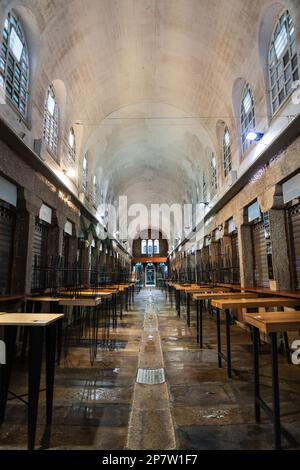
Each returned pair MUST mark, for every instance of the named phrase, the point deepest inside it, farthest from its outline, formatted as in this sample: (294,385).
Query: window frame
(282,72)
(15,73)
(213,174)
(71,149)
(156,247)
(227,162)
(248,120)
(85,175)
(51,124)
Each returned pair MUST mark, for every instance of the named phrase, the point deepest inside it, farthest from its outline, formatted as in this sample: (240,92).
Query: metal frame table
(40,326)
(271,323)
(234,303)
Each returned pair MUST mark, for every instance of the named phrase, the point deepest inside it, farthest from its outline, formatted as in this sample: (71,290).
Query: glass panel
(15,44)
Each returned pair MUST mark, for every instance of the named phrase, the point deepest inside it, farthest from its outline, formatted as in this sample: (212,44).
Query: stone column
(27,211)
(245,249)
(55,235)
(272,201)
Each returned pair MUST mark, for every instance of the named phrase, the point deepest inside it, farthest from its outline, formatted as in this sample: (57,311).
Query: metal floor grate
(150,329)
(150,376)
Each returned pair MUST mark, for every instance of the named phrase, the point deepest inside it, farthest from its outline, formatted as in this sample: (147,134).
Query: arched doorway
(150,280)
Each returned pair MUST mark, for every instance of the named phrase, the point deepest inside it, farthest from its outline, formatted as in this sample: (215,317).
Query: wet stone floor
(93,404)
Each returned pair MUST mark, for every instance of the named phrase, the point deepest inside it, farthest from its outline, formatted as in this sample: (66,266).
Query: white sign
(8,192)
(231,226)
(46,214)
(291,188)
(69,228)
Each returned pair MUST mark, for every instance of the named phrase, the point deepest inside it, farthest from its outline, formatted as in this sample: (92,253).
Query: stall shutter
(6,247)
(235,258)
(65,251)
(261,277)
(39,244)
(294,235)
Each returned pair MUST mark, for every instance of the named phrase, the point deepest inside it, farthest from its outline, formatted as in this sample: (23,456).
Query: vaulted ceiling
(146,83)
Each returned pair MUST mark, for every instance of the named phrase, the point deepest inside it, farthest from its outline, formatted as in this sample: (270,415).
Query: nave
(98,407)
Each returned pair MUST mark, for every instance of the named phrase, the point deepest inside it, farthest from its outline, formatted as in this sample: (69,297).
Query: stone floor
(99,407)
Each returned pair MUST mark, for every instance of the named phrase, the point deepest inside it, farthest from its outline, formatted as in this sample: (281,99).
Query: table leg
(275,391)
(51,336)
(126,299)
(121,306)
(179,302)
(228,343)
(287,347)
(197,327)
(36,337)
(188,309)
(219,338)
(10,335)
(255,336)
(201,324)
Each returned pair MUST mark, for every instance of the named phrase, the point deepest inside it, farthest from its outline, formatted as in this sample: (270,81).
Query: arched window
(227,152)
(150,247)
(283,62)
(144,247)
(51,116)
(156,247)
(247,116)
(85,175)
(213,175)
(71,146)
(204,188)
(95,191)
(14,64)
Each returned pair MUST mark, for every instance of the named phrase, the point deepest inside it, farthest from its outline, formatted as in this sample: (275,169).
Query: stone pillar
(272,201)
(73,245)
(55,235)
(245,250)
(27,211)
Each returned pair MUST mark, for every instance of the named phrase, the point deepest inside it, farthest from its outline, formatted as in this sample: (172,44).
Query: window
(227,152)
(247,116)
(156,247)
(283,61)
(95,191)
(204,188)
(214,178)
(51,116)
(150,247)
(14,64)
(85,175)
(144,247)
(71,146)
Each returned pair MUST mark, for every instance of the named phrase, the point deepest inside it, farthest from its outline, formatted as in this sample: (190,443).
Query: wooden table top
(81,302)
(223,295)
(273,322)
(10,298)
(195,290)
(261,290)
(28,319)
(43,299)
(254,302)
(183,287)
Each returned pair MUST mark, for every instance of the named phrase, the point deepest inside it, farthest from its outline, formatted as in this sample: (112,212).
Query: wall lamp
(254,136)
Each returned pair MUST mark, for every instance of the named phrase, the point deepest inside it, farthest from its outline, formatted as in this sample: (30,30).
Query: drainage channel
(150,424)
